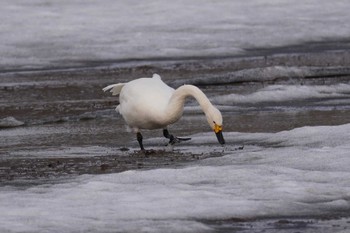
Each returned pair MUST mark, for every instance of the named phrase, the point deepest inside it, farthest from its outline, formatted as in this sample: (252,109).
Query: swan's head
(214,119)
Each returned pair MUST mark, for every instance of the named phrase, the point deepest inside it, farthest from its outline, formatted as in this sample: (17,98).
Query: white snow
(41,33)
(302,172)
(282,93)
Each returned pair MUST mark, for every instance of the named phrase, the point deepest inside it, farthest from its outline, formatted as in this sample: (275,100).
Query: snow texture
(43,33)
(302,172)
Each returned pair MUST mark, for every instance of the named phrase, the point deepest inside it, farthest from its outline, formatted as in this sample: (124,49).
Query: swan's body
(148,103)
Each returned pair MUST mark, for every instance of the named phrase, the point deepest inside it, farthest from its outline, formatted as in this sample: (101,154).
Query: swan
(149,103)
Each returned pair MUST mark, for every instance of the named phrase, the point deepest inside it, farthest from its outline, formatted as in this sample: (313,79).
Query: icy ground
(42,34)
(288,177)
(301,172)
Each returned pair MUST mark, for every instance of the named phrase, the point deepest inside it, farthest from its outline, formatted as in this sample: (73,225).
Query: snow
(9,122)
(296,173)
(283,93)
(301,172)
(40,33)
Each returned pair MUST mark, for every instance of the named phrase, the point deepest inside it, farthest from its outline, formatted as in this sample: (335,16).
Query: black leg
(139,139)
(172,138)
(168,135)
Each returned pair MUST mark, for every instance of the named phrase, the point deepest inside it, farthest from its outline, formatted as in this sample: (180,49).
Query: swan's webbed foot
(172,138)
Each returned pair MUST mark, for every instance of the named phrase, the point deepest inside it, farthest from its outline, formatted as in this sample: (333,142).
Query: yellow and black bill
(218,132)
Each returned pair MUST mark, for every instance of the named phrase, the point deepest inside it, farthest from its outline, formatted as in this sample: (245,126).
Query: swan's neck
(176,103)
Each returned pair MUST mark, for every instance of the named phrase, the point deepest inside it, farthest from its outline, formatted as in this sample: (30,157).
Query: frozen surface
(41,33)
(301,172)
(284,93)
(9,122)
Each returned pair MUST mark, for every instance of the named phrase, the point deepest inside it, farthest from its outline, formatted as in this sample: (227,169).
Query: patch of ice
(10,122)
(302,172)
(282,93)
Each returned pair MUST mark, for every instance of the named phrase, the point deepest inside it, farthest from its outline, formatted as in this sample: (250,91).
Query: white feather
(115,88)
(148,103)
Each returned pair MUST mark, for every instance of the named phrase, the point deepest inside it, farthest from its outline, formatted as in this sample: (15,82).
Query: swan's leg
(139,139)
(145,152)
(172,138)
(169,136)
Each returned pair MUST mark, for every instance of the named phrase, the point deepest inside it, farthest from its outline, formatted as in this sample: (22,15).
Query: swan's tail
(114,88)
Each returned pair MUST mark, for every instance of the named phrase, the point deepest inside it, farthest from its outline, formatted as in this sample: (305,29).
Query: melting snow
(300,172)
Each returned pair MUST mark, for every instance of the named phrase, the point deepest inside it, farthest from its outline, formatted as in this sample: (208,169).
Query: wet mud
(42,170)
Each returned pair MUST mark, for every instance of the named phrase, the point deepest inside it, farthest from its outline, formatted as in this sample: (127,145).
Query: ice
(301,172)
(296,173)
(40,33)
(9,122)
(283,93)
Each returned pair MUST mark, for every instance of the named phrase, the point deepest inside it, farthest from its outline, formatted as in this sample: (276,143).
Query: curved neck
(176,103)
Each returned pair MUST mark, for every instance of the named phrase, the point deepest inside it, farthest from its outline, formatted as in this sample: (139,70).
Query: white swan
(148,103)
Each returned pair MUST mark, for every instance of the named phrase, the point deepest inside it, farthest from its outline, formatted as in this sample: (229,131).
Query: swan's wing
(115,88)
